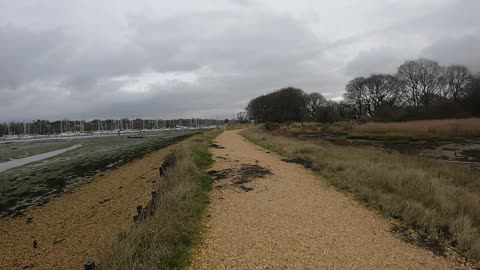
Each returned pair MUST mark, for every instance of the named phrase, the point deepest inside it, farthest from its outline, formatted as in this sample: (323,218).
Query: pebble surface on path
(294,220)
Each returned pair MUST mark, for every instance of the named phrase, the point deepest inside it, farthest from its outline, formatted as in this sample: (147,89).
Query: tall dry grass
(164,240)
(426,128)
(436,199)
(296,128)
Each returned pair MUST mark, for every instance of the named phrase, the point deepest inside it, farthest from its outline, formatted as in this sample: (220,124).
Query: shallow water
(22,161)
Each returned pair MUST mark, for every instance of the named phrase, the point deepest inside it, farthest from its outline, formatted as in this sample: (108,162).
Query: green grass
(53,174)
(439,201)
(165,240)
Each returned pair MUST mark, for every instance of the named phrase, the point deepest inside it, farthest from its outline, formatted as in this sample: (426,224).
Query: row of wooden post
(142,212)
(149,209)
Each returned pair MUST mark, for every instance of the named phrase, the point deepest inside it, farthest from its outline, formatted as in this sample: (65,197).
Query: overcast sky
(111,58)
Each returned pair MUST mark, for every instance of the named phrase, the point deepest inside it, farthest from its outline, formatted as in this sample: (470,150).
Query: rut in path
(290,219)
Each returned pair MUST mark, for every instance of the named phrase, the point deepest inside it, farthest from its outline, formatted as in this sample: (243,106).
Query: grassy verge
(439,201)
(164,240)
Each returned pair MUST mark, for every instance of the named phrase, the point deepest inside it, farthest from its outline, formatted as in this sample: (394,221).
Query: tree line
(421,89)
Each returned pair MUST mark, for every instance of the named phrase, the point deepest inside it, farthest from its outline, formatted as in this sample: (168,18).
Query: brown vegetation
(426,128)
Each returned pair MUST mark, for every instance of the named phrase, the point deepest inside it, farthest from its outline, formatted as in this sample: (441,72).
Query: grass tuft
(164,240)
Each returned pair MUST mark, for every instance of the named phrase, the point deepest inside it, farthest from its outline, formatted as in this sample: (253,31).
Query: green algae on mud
(34,183)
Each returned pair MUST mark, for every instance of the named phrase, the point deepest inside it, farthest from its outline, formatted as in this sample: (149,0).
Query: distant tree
(457,81)
(382,90)
(329,113)
(356,95)
(287,104)
(314,102)
(472,98)
(242,117)
(259,109)
(346,110)
(422,79)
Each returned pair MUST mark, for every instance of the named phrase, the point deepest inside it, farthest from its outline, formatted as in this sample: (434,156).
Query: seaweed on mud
(419,239)
(246,189)
(105,200)
(308,164)
(214,145)
(249,172)
(220,175)
(245,174)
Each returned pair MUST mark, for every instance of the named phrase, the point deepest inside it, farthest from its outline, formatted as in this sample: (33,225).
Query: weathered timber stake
(154,195)
(139,209)
(89,265)
(35,244)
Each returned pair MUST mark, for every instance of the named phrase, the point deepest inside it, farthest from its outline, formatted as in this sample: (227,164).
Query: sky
(167,59)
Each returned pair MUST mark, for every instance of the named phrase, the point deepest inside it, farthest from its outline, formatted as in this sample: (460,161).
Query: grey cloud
(60,59)
(462,51)
(379,60)
(27,55)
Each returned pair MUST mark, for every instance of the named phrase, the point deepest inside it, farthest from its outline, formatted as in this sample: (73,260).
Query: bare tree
(287,104)
(423,80)
(356,94)
(313,104)
(457,81)
(382,90)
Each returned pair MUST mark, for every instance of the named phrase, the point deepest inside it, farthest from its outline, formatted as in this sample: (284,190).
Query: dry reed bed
(436,199)
(427,128)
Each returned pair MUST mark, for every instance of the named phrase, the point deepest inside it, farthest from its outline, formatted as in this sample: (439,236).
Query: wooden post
(135,219)
(139,209)
(89,265)
(154,198)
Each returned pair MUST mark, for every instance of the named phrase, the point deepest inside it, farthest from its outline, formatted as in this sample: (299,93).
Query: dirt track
(293,220)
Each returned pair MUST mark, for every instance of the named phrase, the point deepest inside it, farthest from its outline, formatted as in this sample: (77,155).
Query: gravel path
(293,220)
